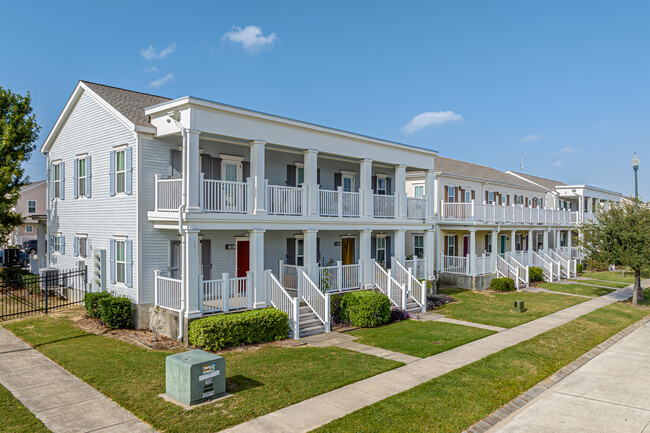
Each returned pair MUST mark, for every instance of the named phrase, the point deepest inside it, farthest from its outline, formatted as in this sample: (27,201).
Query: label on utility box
(208,394)
(209,375)
(208,368)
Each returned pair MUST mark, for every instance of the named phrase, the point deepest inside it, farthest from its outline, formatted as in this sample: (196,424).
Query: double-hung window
(418,246)
(300,252)
(120,171)
(488,244)
(120,261)
(490,197)
(29,229)
(518,239)
(451,194)
(347,181)
(31,206)
(468,196)
(451,245)
(419,191)
(81,177)
(57,179)
(82,243)
(56,244)
(381,250)
(300,174)
(381,185)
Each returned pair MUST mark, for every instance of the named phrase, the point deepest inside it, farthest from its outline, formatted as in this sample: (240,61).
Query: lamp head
(635,161)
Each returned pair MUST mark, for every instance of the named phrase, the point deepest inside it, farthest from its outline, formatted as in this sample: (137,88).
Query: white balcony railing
(454,264)
(339,277)
(338,203)
(384,205)
(416,208)
(495,213)
(167,292)
(225,196)
(226,294)
(169,194)
(284,200)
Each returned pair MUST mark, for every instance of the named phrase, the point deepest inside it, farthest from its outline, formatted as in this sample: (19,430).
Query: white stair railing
(565,264)
(288,275)
(573,263)
(316,300)
(505,269)
(281,300)
(395,291)
(522,270)
(547,267)
(556,267)
(415,289)
(418,266)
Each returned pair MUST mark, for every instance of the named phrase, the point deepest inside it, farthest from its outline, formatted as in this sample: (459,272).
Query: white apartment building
(201,208)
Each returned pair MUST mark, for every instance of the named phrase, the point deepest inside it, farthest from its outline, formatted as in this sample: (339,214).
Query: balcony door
(465,245)
(347,251)
(174,259)
(206,260)
(243,258)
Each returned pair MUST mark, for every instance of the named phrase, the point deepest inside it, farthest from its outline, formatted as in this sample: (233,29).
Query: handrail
(415,289)
(316,300)
(546,266)
(521,269)
(389,286)
(167,292)
(281,300)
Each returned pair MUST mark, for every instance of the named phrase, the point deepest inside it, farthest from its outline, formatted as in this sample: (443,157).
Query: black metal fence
(53,289)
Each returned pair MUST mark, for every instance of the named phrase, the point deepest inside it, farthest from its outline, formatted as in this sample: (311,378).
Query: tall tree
(621,236)
(18,132)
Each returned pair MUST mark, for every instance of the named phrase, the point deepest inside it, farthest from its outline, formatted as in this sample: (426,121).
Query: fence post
(303,199)
(155,193)
(299,285)
(249,288)
(225,292)
(442,209)
(409,280)
(339,275)
(156,273)
(251,194)
(281,271)
(339,199)
(328,317)
(201,293)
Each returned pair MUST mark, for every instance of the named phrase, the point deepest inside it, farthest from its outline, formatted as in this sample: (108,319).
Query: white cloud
(151,69)
(162,80)
(250,37)
(530,138)
(566,150)
(557,164)
(152,54)
(428,118)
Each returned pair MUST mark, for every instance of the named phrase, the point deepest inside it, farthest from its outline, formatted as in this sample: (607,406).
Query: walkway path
(60,400)
(346,341)
(610,393)
(316,411)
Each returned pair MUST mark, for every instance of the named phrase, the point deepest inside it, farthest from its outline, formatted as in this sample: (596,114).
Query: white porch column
(256,258)
(365,256)
(513,241)
(439,247)
(311,253)
(569,241)
(191,272)
(400,245)
(400,190)
(311,181)
(192,171)
(365,187)
(545,247)
(429,253)
(581,208)
(258,175)
(530,246)
(472,252)
(430,192)
(557,239)
(590,204)
(41,250)
(495,242)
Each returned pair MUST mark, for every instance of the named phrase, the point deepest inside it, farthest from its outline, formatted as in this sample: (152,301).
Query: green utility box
(519,307)
(194,377)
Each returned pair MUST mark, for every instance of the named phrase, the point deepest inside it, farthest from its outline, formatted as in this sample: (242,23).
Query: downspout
(175,116)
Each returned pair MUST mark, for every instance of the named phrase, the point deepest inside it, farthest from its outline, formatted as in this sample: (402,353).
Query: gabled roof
(541,181)
(32,185)
(480,172)
(129,103)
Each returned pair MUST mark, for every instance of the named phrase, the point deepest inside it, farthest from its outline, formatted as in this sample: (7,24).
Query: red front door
(243,258)
(465,245)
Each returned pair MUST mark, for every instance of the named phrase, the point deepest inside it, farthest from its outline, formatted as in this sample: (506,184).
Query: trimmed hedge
(579,268)
(115,312)
(229,330)
(90,303)
(535,274)
(366,309)
(502,284)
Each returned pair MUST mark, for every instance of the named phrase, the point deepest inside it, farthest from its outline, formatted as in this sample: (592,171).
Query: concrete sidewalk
(322,409)
(60,400)
(610,393)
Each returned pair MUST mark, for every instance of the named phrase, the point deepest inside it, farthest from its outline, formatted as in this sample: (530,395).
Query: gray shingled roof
(462,168)
(546,183)
(129,103)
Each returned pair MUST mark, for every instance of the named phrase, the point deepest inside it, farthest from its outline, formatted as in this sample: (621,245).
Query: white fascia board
(486,181)
(588,187)
(209,106)
(69,106)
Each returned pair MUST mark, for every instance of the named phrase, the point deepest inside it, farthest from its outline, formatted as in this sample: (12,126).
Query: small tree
(18,131)
(620,236)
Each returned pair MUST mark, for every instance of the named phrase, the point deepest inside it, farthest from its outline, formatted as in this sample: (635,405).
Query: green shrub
(365,309)
(228,330)
(115,312)
(336,312)
(90,303)
(579,268)
(535,274)
(502,284)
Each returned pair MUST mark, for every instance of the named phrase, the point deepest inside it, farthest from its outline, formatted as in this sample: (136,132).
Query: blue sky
(565,85)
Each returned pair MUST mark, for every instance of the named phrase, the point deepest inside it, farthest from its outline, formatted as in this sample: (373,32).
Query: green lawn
(608,276)
(261,381)
(496,308)
(420,339)
(612,284)
(15,417)
(455,401)
(576,289)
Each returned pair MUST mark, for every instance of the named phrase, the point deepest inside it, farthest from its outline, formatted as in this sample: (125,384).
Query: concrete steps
(412,306)
(310,324)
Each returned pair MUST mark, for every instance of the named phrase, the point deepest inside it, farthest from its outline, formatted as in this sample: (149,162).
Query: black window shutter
(176,158)
(245,170)
(318,258)
(216,168)
(373,181)
(291,251)
(206,166)
(291,175)
(318,176)
(389,252)
(456,248)
(337,180)
(373,248)
(389,186)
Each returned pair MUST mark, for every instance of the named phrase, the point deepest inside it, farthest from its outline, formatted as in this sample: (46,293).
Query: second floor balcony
(221,196)
(495,213)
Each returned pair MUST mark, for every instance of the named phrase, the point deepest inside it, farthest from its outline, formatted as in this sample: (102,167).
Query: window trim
(381,177)
(85,176)
(29,226)
(35,206)
(417,188)
(56,244)
(85,238)
(416,247)
(378,248)
(119,241)
(56,167)
(118,171)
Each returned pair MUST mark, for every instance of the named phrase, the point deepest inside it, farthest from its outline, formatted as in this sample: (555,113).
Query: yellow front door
(347,251)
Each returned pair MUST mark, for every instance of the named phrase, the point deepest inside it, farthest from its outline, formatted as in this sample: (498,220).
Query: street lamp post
(635,165)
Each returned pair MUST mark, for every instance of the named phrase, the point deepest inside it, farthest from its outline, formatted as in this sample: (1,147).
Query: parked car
(21,259)
(30,246)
